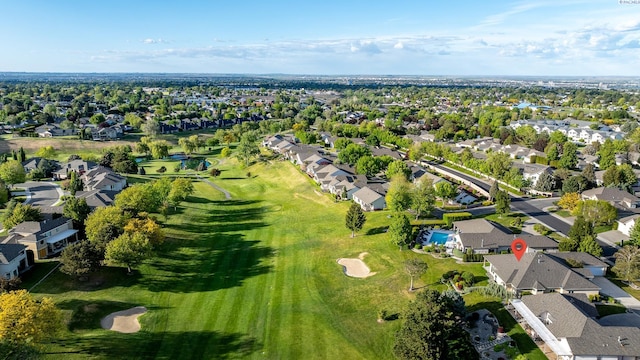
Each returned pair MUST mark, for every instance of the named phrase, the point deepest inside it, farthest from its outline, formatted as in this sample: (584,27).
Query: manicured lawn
(606,309)
(507,219)
(251,277)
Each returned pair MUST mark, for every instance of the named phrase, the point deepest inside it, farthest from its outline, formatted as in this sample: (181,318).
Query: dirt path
(225,192)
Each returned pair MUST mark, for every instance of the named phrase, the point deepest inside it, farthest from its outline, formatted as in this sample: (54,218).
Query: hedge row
(449,218)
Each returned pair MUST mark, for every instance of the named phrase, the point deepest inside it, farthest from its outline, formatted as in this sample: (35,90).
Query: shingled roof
(565,317)
(538,271)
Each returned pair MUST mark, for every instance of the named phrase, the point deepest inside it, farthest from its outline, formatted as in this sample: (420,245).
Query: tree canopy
(400,230)
(24,319)
(430,330)
(355,219)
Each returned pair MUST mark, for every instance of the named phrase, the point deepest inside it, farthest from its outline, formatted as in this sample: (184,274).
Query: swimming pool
(439,237)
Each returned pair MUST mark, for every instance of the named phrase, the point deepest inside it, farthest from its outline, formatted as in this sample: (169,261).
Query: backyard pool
(439,237)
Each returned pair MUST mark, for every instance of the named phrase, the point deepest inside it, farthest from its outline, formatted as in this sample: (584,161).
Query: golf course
(255,276)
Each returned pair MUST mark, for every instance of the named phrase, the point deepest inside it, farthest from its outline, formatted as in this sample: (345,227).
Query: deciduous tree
(105,224)
(398,196)
(247,148)
(414,267)
(80,259)
(627,264)
(181,188)
(12,172)
(597,212)
(17,213)
(423,197)
(355,219)
(569,201)
(128,249)
(24,319)
(445,191)
(398,168)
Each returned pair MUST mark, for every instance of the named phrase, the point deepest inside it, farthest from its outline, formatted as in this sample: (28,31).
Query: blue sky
(562,37)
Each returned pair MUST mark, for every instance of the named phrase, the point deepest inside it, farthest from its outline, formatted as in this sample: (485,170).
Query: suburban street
(42,193)
(532,208)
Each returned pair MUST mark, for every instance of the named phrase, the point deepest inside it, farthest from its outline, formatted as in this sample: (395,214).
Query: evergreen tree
(400,230)
(355,219)
(569,158)
(503,202)
(607,155)
(589,173)
(634,234)
(431,332)
(23,156)
(75,183)
(590,246)
(493,191)
(545,182)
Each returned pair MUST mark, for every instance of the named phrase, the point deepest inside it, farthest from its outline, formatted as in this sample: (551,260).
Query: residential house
(569,327)
(613,196)
(79,166)
(37,162)
(369,200)
(98,198)
(532,172)
(627,223)
(481,236)
(13,260)
(166,128)
(107,133)
(103,178)
(53,130)
(539,273)
(44,238)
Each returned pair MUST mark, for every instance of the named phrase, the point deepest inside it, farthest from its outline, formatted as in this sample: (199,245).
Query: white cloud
(154,41)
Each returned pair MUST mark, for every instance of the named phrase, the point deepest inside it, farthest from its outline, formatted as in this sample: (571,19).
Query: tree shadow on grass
(163,345)
(377,230)
(104,278)
(212,262)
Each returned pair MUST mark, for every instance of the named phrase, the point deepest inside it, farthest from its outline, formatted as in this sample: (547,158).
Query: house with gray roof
(614,196)
(103,178)
(539,273)
(13,260)
(481,236)
(80,166)
(369,200)
(569,327)
(44,238)
(98,198)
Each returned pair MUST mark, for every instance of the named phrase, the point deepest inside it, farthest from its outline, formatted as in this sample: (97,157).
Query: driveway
(42,193)
(613,290)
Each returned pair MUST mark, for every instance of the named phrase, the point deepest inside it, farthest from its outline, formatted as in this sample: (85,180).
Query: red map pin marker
(519,247)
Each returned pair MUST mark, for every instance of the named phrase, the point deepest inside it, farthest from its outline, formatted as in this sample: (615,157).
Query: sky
(347,37)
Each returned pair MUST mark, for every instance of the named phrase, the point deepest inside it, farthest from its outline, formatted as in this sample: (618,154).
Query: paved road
(42,193)
(612,289)
(225,192)
(527,206)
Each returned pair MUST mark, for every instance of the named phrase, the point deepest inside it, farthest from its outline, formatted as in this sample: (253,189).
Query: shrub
(449,218)
(541,229)
(214,172)
(594,298)
(162,169)
(468,278)
(142,171)
(382,315)
(177,168)
(418,246)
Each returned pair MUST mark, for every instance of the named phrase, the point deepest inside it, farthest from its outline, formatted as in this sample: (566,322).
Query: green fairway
(251,277)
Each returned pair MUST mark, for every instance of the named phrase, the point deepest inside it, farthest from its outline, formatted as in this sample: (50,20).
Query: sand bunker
(125,321)
(356,267)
